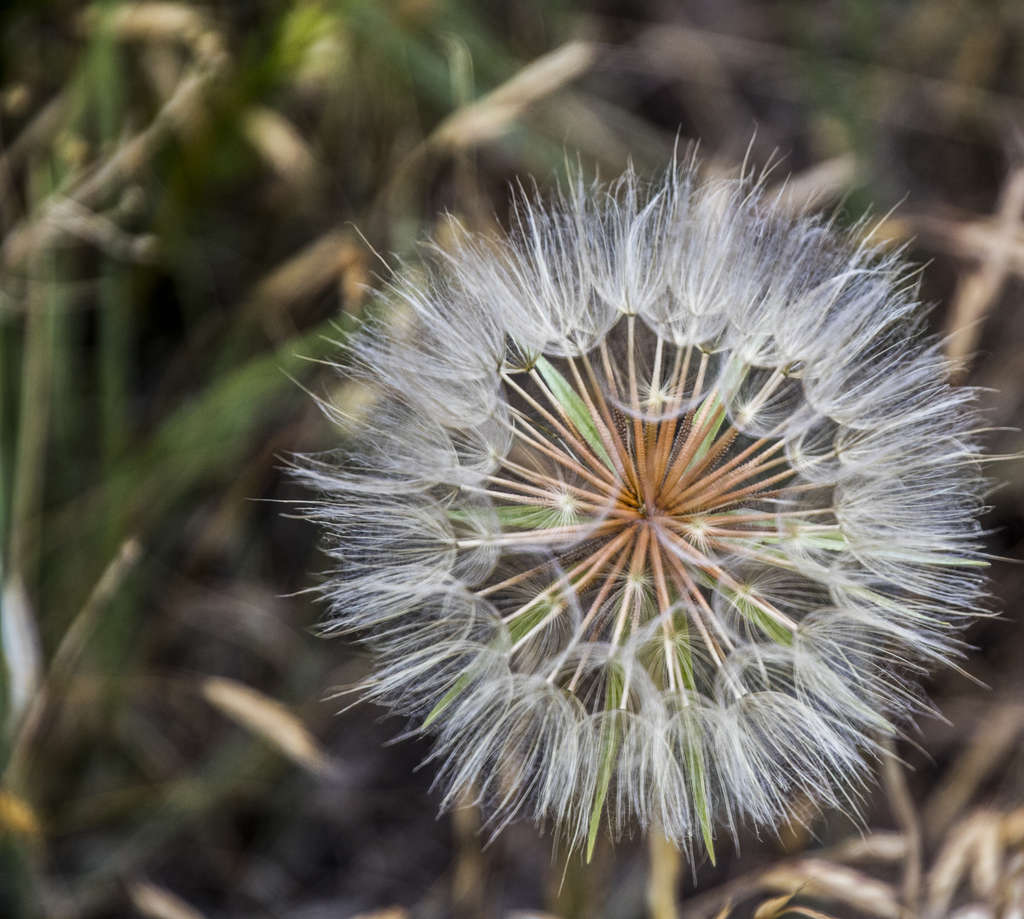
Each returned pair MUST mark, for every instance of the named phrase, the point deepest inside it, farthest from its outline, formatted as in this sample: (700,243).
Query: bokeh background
(193,197)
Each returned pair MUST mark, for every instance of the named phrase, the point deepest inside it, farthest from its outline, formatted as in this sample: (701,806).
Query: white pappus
(664,506)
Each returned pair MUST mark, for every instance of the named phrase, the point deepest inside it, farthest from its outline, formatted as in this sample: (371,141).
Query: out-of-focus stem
(663,876)
(468,868)
(906,814)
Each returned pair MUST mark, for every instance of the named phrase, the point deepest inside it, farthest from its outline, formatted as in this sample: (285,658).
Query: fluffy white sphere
(664,505)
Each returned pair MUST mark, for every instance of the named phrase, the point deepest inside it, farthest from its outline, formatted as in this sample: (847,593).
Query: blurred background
(191,199)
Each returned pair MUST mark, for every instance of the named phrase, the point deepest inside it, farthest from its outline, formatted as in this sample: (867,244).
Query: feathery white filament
(665,505)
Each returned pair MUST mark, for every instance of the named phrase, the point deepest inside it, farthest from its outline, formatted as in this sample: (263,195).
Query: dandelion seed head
(665,507)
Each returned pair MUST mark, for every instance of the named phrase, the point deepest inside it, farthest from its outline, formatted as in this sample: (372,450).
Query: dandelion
(663,508)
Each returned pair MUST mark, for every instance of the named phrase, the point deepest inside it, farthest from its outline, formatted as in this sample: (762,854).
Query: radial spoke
(720,445)
(681,488)
(604,409)
(695,592)
(639,435)
(609,373)
(606,587)
(754,516)
(541,536)
(559,456)
(613,390)
(687,586)
(553,485)
(635,570)
(667,628)
(576,442)
(550,616)
(743,548)
(676,485)
(603,420)
(595,606)
(731,497)
(700,428)
(514,579)
(545,503)
(528,500)
(603,498)
(702,367)
(683,585)
(590,567)
(667,429)
(701,493)
(655,386)
(718,533)
(701,561)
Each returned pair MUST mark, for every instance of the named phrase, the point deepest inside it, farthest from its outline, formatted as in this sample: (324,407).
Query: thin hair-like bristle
(664,507)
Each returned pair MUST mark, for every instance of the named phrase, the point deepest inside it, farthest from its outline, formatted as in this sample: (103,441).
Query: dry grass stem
(270,720)
(906,814)
(155,902)
(980,287)
(663,877)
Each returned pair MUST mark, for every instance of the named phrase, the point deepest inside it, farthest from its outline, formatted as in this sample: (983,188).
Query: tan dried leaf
(270,720)
(21,649)
(723,913)
(159,903)
(821,878)
(17,816)
(956,858)
(279,142)
(774,907)
(491,115)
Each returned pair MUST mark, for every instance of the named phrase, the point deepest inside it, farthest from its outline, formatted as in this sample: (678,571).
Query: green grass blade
(575,408)
(698,787)
(709,438)
(610,746)
(757,616)
(457,687)
(684,655)
(516,516)
(529,620)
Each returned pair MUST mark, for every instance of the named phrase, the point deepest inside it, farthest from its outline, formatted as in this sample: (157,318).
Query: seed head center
(637,512)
